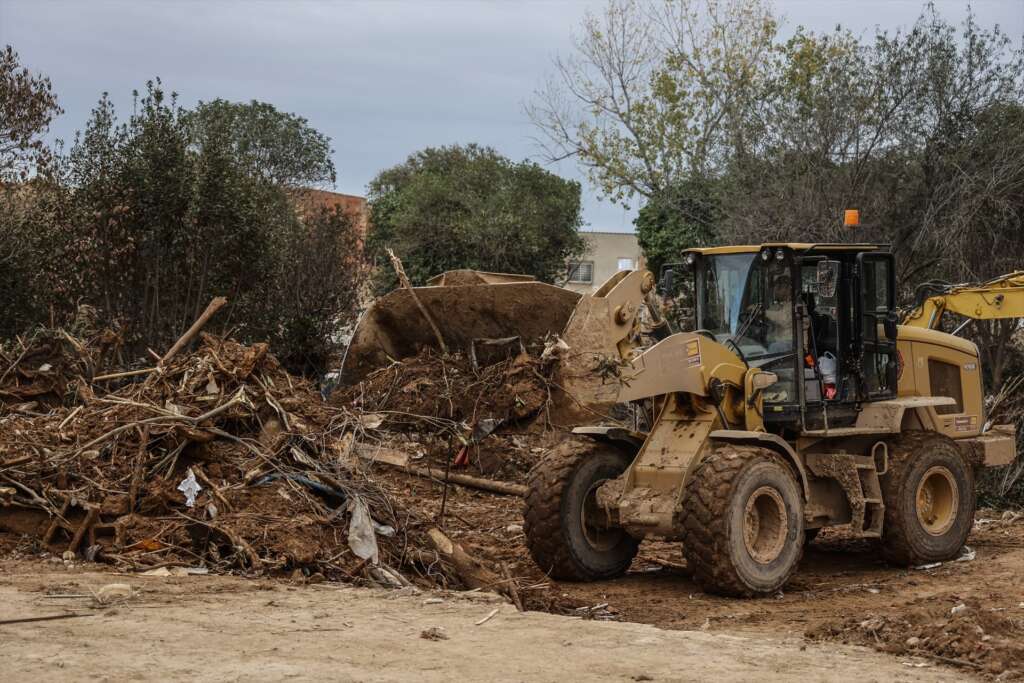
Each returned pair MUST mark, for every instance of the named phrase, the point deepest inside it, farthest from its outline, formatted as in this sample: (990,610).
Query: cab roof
(806,247)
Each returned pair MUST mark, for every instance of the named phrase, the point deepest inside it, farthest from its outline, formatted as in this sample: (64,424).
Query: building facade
(607,253)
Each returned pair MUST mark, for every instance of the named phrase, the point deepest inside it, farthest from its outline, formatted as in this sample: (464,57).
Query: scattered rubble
(220,460)
(960,632)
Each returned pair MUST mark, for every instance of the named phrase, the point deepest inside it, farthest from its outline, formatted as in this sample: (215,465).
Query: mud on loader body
(798,403)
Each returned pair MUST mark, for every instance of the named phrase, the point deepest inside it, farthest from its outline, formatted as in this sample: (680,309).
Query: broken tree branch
(469,569)
(211,308)
(399,460)
(396,263)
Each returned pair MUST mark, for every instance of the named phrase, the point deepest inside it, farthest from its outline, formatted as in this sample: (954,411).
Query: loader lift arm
(1000,298)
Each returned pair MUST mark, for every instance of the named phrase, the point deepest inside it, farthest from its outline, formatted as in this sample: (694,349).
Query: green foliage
(469,207)
(281,148)
(150,218)
(27,106)
(657,93)
(684,216)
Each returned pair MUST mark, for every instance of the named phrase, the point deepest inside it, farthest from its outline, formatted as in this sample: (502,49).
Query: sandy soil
(843,591)
(959,620)
(201,628)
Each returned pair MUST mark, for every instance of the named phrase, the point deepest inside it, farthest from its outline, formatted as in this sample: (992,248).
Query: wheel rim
(937,500)
(765,525)
(595,521)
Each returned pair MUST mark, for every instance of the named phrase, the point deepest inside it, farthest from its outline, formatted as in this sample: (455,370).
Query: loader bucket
(466,305)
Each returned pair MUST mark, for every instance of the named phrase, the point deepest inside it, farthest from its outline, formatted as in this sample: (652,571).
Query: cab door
(875,326)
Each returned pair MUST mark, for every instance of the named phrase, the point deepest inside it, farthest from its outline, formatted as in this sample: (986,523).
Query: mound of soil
(431,386)
(964,632)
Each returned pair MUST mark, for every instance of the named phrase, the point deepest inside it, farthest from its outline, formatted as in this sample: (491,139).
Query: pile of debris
(48,367)
(431,387)
(451,412)
(963,633)
(217,459)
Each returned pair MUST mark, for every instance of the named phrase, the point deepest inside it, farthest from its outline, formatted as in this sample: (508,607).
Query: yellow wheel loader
(798,402)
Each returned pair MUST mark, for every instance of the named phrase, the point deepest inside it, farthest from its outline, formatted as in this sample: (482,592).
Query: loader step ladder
(858,477)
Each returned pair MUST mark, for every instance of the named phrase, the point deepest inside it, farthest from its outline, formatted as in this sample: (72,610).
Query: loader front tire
(929,499)
(567,534)
(743,522)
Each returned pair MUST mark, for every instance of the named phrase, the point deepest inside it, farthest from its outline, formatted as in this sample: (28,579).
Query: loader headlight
(766,254)
(691,258)
(779,254)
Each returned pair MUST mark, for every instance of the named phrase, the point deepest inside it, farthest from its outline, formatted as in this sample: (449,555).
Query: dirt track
(843,591)
(223,628)
(220,628)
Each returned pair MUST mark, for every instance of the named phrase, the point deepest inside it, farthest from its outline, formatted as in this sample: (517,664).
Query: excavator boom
(996,299)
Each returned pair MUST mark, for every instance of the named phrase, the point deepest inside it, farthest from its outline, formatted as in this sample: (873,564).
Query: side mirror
(668,277)
(889,325)
(827,278)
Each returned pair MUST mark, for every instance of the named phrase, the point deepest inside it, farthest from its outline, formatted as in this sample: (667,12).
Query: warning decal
(693,352)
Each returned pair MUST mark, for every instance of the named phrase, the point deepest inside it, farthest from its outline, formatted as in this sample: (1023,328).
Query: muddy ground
(843,593)
(961,619)
(218,628)
(843,596)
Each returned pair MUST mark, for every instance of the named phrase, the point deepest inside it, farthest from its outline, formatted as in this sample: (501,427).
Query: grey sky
(382,79)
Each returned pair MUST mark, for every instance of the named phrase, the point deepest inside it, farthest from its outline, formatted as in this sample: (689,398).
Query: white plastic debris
(931,565)
(967,554)
(958,609)
(190,487)
(361,536)
(554,349)
(382,529)
(45,367)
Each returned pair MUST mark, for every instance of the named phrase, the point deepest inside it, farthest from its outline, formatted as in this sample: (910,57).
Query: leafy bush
(469,207)
(149,219)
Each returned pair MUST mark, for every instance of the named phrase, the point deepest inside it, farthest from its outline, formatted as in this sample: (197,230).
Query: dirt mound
(964,633)
(431,386)
(42,369)
(221,459)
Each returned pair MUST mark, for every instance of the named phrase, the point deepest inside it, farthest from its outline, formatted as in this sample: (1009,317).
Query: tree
(27,106)
(656,95)
(316,283)
(156,221)
(279,147)
(469,207)
(685,216)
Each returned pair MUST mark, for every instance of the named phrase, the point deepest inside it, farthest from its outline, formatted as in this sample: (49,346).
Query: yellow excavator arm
(996,299)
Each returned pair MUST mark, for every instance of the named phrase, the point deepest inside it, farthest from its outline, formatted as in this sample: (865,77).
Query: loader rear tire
(567,537)
(743,522)
(929,499)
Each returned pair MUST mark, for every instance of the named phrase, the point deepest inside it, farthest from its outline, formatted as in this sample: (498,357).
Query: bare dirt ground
(843,592)
(200,628)
(959,620)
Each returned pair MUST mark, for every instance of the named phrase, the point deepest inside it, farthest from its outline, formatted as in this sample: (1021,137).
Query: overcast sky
(382,79)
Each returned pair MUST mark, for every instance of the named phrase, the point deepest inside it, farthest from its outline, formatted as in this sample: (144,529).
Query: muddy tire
(743,522)
(929,499)
(560,494)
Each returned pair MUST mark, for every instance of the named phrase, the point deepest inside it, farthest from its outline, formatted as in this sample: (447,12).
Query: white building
(607,253)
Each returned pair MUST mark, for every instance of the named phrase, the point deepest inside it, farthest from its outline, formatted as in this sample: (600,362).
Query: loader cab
(819,316)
